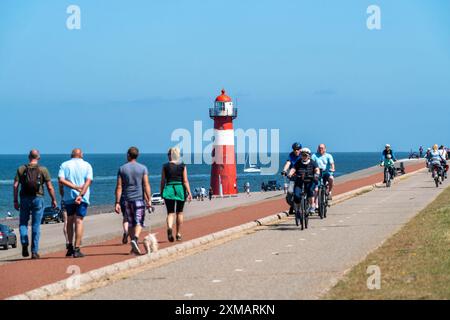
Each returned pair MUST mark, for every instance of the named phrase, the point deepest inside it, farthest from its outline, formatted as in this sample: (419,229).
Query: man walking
(133,196)
(31,178)
(76,176)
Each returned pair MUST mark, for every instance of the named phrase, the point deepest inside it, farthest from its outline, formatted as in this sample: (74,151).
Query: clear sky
(139,69)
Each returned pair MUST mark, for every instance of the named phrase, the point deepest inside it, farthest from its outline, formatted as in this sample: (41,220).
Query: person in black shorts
(175,191)
(307,174)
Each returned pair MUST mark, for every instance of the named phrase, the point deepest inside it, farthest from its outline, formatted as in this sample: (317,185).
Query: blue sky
(139,69)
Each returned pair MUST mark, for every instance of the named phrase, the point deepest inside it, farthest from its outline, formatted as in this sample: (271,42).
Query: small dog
(151,243)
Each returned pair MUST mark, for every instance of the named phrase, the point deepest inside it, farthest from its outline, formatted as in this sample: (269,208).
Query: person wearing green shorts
(175,191)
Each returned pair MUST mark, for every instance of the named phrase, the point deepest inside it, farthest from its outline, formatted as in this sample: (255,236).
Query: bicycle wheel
(321,202)
(297,216)
(302,213)
(305,215)
(325,204)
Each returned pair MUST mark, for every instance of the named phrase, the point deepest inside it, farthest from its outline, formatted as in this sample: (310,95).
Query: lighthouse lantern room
(223,169)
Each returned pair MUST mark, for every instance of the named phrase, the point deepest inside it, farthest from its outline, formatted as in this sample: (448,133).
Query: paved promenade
(279,261)
(18,276)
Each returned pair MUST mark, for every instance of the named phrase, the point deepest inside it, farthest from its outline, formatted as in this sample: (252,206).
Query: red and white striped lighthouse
(223,170)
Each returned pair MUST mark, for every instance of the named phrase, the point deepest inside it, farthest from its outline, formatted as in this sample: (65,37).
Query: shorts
(170,205)
(310,187)
(133,212)
(326,176)
(76,209)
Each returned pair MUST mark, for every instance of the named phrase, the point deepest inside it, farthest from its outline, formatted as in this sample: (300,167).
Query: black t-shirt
(305,170)
(173,171)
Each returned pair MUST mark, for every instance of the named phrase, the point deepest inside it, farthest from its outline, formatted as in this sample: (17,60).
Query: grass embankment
(414,263)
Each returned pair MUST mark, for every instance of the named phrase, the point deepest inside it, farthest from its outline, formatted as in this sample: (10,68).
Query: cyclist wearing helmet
(389,164)
(387,150)
(294,156)
(307,174)
(325,162)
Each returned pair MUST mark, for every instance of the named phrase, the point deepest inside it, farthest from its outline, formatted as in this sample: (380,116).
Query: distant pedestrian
(202,193)
(421,152)
(76,176)
(175,191)
(31,179)
(210,193)
(132,197)
(247,188)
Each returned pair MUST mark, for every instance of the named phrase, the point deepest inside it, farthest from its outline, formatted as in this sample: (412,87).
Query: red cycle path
(22,275)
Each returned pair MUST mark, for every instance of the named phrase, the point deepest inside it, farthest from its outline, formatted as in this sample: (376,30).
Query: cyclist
(387,150)
(293,157)
(389,164)
(307,174)
(444,158)
(325,162)
(436,159)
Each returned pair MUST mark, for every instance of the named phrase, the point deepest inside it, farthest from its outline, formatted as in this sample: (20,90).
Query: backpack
(31,180)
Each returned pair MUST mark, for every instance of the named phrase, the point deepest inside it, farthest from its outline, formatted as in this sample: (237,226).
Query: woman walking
(175,190)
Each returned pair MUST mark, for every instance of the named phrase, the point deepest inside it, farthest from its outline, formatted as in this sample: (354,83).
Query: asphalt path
(280,261)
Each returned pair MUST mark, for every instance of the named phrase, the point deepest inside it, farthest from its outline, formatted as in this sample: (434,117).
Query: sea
(105,168)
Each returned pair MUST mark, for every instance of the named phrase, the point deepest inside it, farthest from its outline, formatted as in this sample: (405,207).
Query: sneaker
(25,252)
(135,247)
(77,253)
(70,250)
(35,255)
(125,238)
(178,237)
(170,235)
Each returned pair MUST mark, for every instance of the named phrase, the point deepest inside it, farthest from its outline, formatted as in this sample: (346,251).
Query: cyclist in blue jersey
(293,157)
(387,150)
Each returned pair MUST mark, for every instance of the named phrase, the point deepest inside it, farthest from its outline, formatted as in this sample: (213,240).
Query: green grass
(414,263)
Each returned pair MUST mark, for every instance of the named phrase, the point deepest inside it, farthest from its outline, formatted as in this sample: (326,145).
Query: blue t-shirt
(323,161)
(77,171)
(293,159)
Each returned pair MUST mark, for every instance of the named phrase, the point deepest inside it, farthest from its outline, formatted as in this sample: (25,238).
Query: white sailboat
(251,168)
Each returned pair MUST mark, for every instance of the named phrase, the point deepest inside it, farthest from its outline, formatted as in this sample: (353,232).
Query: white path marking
(258,261)
(189,295)
(216,281)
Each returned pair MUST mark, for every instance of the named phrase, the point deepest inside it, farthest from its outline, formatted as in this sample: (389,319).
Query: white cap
(306,150)
(388,145)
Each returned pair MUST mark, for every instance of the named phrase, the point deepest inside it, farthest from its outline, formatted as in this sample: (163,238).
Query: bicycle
(323,197)
(388,175)
(290,196)
(437,173)
(301,211)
